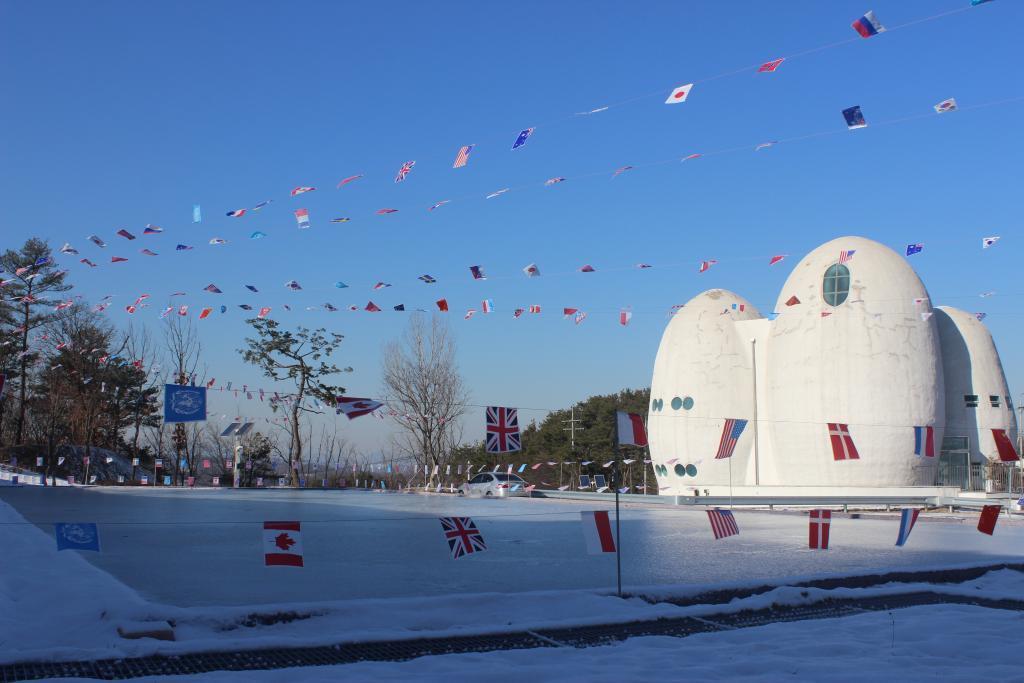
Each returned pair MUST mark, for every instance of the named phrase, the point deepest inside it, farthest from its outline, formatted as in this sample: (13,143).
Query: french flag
(908,518)
(597,531)
(924,441)
(631,429)
(868,25)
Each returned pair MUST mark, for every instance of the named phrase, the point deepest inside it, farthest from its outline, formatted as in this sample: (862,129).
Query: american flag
(462,158)
(730,435)
(845,256)
(462,535)
(404,171)
(502,430)
(723,523)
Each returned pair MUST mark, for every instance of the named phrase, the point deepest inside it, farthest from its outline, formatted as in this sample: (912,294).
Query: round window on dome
(687,403)
(677,403)
(835,286)
(691,470)
(680,470)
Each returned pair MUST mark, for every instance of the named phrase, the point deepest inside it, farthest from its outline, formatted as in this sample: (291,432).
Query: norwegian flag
(842,443)
(463,537)
(723,523)
(404,171)
(818,528)
(282,544)
(503,430)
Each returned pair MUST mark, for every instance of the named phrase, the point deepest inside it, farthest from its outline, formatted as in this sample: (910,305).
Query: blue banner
(184,403)
(78,536)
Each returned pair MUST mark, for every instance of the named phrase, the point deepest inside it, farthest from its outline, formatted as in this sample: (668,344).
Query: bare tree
(183,349)
(425,389)
(299,357)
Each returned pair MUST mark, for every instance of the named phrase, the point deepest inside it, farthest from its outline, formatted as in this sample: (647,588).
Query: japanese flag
(282,544)
(679,94)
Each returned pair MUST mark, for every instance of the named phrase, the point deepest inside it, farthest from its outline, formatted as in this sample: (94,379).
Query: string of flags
(282,540)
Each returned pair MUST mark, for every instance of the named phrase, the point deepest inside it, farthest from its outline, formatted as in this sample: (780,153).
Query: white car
(495,485)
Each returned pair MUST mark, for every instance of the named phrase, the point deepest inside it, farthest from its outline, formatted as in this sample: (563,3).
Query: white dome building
(857,382)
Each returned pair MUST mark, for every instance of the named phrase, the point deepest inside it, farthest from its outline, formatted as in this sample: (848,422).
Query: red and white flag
(625,315)
(679,94)
(282,544)
(302,190)
(597,531)
(706,265)
(264,312)
(1007,453)
(404,171)
(771,66)
(356,407)
(631,429)
(842,443)
(819,525)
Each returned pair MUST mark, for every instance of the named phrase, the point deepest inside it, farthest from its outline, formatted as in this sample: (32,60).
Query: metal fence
(995,477)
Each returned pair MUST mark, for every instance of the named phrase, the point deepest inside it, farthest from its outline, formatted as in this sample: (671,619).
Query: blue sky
(120,114)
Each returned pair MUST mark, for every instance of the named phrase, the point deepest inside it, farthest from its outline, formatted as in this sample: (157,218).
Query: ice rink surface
(204,546)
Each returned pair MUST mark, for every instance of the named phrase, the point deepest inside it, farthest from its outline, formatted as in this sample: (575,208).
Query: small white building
(855,382)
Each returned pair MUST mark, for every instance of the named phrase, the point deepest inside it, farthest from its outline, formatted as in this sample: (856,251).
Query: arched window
(835,286)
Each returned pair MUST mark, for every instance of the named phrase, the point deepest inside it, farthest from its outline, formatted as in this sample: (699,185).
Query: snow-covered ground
(377,568)
(940,643)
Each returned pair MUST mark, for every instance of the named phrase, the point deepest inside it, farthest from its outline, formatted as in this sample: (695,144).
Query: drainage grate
(584,636)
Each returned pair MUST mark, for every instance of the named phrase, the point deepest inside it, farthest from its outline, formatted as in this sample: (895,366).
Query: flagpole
(615,480)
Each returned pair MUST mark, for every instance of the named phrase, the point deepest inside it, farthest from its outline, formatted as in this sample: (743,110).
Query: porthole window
(687,403)
(835,286)
(677,403)
(680,470)
(691,470)
(657,404)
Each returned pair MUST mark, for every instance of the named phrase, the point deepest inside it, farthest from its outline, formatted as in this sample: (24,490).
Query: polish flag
(282,544)
(679,94)
(631,429)
(597,530)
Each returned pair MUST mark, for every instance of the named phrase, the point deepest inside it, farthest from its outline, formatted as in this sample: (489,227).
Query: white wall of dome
(863,348)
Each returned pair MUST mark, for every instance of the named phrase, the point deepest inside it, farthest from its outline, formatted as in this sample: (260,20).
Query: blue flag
(184,403)
(854,118)
(77,536)
(521,140)
(197,214)
(914,249)
(167,480)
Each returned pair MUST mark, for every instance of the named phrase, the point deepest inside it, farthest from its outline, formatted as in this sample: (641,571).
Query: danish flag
(842,442)
(819,525)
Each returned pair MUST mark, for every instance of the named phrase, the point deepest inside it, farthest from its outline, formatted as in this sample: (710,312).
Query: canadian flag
(597,531)
(631,429)
(282,544)
(679,94)
(356,407)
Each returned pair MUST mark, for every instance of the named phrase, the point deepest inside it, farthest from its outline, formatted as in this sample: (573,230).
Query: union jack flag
(845,256)
(730,435)
(503,430)
(462,535)
(404,171)
(462,158)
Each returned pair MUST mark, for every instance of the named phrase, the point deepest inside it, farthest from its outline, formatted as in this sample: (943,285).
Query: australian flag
(914,249)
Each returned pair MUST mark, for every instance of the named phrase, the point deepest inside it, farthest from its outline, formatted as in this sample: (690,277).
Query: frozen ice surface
(203,546)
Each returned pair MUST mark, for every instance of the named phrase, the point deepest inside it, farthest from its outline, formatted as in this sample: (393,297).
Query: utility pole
(572,429)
